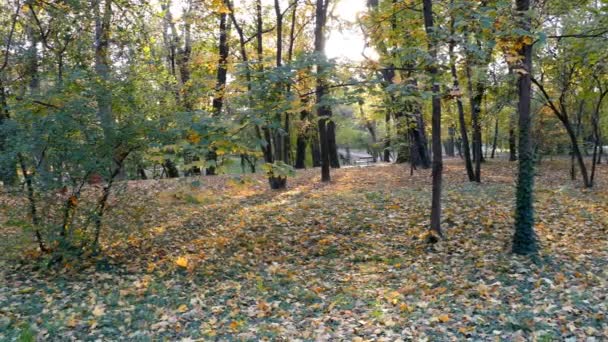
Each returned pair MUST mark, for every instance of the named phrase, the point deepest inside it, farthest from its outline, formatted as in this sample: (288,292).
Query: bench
(364,161)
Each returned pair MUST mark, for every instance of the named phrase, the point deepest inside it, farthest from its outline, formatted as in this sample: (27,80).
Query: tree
(220,85)
(524,239)
(433,71)
(324,113)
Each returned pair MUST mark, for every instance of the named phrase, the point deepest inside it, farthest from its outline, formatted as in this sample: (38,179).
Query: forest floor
(226,258)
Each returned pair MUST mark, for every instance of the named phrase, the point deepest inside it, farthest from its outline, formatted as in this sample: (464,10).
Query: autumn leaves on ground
(224,257)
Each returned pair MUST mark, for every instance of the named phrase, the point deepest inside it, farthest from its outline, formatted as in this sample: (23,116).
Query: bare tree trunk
(304,135)
(495,142)
(387,139)
(562,115)
(31,196)
(287,127)
(436,120)
(475,99)
(595,122)
(465,148)
(220,85)
(512,139)
(102,65)
(8,170)
(323,110)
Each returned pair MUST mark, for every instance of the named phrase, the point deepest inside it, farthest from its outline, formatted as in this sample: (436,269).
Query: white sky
(347,43)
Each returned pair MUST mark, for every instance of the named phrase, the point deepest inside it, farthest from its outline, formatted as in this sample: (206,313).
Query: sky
(347,43)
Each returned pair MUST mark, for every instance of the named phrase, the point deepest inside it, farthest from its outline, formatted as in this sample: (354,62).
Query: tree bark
(102,65)
(595,123)
(220,85)
(524,238)
(465,148)
(512,140)
(323,110)
(495,142)
(562,115)
(387,139)
(475,99)
(436,121)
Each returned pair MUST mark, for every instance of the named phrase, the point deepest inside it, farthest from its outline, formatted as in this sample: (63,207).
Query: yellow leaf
(527,40)
(99,310)
(405,308)
(72,322)
(182,262)
(182,308)
(234,325)
(465,330)
(193,137)
(443,318)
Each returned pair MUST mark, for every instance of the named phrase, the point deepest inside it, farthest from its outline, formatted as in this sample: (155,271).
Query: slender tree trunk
(512,140)
(102,65)
(436,120)
(595,123)
(475,99)
(220,85)
(288,156)
(464,136)
(576,152)
(451,142)
(267,135)
(31,196)
(8,169)
(302,141)
(267,149)
(279,137)
(303,137)
(323,110)
(418,134)
(495,142)
(315,148)
(524,238)
(371,128)
(387,139)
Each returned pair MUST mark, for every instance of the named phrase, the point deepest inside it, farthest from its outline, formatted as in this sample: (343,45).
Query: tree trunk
(495,142)
(288,156)
(512,140)
(220,85)
(419,138)
(524,238)
(102,65)
(577,152)
(475,99)
(387,139)
(595,123)
(464,136)
(451,142)
(323,111)
(302,139)
(315,148)
(8,168)
(436,121)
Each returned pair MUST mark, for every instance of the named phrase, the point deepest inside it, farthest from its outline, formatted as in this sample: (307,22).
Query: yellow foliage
(182,262)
